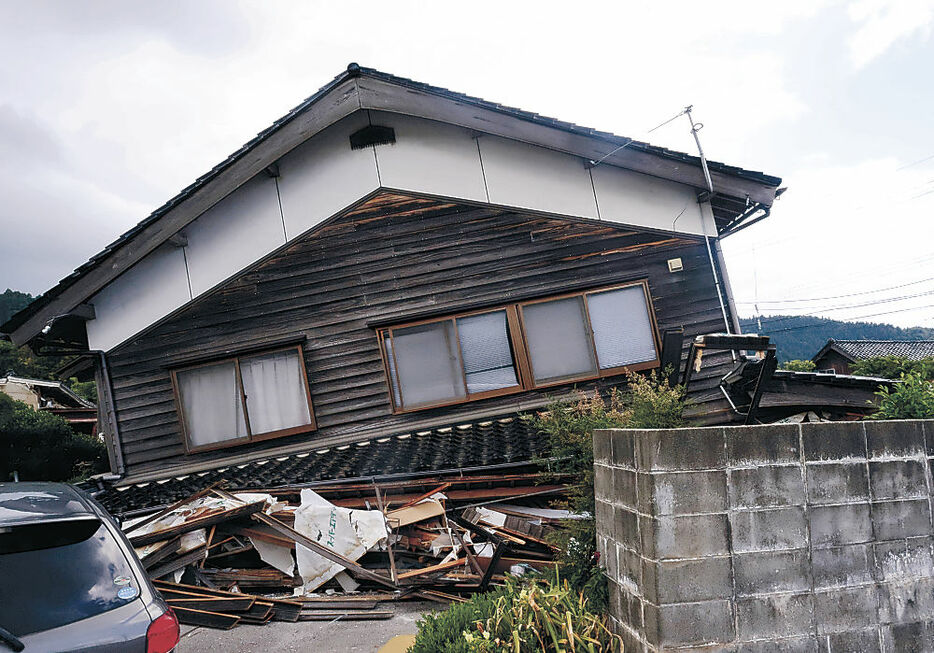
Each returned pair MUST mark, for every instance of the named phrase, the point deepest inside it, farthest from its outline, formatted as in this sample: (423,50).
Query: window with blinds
(539,343)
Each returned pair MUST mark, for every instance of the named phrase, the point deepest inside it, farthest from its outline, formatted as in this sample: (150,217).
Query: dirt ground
(323,636)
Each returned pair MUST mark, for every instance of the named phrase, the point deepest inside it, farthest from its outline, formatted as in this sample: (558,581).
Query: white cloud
(882,23)
(841,230)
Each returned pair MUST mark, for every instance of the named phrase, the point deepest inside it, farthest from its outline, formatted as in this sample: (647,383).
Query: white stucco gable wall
(323,176)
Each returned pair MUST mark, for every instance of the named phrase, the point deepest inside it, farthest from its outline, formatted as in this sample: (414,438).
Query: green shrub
(893,367)
(443,632)
(799,366)
(525,615)
(541,616)
(649,403)
(913,398)
(40,446)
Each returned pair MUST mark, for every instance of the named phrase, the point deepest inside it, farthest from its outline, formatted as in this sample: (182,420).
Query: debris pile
(224,558)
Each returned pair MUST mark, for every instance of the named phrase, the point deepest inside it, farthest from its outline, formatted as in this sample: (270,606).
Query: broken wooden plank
(444,566)
(169,547)
(327,615)
(208,619)
(178,504)
(199,522)
(212,603)
(426,495)
(427,509)
(169,566)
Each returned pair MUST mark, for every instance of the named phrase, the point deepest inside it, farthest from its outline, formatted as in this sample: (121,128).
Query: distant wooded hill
(802,336)
(797,336)
(11,302)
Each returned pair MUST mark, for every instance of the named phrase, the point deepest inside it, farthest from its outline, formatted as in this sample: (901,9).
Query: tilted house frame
(392,258)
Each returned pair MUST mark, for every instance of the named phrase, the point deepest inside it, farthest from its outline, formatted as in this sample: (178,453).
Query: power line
(843,307)
(852,294)
(852,319)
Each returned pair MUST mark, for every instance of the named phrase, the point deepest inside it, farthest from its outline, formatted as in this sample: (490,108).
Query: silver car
(70,581)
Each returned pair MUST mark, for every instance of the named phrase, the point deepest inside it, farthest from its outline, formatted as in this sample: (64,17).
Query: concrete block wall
(798,537)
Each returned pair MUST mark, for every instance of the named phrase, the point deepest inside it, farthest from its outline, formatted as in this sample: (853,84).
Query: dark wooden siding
(393,256)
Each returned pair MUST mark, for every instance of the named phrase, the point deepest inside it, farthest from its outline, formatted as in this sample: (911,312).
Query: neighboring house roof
(857,350)
(507,440)
(55,390)
(739,192)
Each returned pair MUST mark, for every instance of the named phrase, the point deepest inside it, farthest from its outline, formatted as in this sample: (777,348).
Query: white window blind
(275,392)
(488,363)
(211,404)
(558,340)
(622,329)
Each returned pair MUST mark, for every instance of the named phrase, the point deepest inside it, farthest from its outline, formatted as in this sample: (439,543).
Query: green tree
(893,367)
(12,302)
(799,366)
(84,389)
(913,398)
(40,446)
(650,402)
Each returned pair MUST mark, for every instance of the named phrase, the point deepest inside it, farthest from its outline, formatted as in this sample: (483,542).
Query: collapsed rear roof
(738,192)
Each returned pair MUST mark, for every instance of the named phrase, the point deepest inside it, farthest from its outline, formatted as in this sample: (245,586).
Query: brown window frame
(522,360)
(250,436)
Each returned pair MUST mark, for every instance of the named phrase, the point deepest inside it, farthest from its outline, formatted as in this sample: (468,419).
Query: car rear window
(61,572)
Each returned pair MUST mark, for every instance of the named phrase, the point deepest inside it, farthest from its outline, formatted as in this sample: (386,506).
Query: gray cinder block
(762,487)
(679,581)
(601,446)
(679,493)
(776,571)
(622,448)
(906,602)
(842,566)
(782,615)
(837,483)
(763,445)
(839,525)
(897,479)
(857,641)
(845,609)
(917,637)
(904,560)
(769,530)
(690,537)
(897,438)
(833,441)
(898,519)
(708,622)
(677,449)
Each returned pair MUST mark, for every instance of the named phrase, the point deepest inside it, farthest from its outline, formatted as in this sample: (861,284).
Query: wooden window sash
(250,436)
(518,343)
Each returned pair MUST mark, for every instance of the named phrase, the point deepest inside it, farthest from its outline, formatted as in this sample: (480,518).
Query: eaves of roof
(359,97)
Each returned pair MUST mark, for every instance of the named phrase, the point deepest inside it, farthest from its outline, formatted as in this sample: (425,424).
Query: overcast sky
(108,108)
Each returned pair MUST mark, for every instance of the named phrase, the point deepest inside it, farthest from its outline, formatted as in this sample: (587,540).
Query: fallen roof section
(739,192)
(508,440)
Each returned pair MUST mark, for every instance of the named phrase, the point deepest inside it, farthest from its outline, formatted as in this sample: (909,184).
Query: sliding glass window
(517,347)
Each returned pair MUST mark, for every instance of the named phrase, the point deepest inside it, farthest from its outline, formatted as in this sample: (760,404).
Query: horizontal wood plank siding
(392,256)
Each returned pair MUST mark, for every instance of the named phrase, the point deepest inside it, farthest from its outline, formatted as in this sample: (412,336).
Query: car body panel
(122,629)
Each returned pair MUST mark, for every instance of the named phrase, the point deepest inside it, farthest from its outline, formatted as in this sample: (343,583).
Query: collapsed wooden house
(382,280)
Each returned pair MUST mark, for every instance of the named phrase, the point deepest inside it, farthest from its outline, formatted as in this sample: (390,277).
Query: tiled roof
(506,440)
(862,349)
(353,70)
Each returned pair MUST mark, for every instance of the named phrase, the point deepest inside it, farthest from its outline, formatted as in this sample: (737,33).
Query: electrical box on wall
(675,265)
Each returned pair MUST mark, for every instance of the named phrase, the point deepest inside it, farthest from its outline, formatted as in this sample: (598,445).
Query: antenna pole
(696,127)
